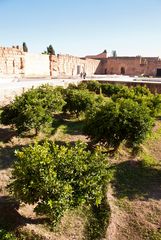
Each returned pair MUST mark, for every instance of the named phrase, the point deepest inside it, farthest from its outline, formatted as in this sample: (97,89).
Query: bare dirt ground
(14,215)
(134,196)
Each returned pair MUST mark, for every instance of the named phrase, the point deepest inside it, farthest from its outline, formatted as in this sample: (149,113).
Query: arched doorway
(122,71)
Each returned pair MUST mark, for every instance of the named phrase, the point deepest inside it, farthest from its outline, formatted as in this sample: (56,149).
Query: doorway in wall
(158,72)
(78,69)
(122,71)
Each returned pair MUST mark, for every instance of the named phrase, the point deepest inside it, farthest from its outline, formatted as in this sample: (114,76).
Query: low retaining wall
(153,87)
(9,90)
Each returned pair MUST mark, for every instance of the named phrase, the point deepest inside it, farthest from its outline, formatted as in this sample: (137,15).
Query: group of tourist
(83,75)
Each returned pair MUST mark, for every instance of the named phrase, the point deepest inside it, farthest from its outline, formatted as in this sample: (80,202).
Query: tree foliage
(94,86)
(77,101)
(25,48)
(4,235)
(142,95)
(33,108)
(111,89)
(114,53)
(58,178)
(50,50)
(115,122)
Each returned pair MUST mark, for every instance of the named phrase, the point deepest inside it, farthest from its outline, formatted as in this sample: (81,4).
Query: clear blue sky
(81,27)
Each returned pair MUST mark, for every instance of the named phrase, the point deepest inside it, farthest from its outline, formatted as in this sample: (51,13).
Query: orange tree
(114,122)
(33,108)
(59,178)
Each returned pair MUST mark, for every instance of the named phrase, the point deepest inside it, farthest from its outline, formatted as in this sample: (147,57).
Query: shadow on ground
(7,156)
(10,219)
(71,126)
(6,134)
(135,180)
(98,221)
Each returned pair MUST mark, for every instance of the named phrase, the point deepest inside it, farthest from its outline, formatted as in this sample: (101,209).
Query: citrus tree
(77,101)
(33,108)
(59,178)
(115,122)
(143,96)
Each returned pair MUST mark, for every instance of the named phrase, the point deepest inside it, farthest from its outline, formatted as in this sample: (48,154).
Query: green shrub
(141,90)
(115,122)
(4,235)
(77,101)
(111,89)
(143,96)
(82,86)
(94,86)
(59,178)
(72,86)
(33,108)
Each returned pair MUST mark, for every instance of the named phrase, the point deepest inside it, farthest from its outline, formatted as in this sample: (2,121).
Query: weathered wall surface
(93,66)
(132,66)
(68,66)
(102,55)
(12,61)
(15,62)
(37,65)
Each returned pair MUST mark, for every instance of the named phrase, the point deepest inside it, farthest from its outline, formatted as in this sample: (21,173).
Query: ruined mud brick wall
(37,65)
(93,66)
(132,65)
(15,62)
(102,58)
(151,66)
(68,66)
(102,55)
(11,61)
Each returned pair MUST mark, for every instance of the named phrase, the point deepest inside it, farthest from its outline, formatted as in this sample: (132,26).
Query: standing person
(84,75)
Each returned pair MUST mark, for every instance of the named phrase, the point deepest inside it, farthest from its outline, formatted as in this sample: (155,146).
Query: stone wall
(37,65)
(71,66)
(132,66)
(14,62)
(154,87)
(102,55)
(11,61)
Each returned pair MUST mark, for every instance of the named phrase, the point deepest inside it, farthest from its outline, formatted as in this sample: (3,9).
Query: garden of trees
(58,177)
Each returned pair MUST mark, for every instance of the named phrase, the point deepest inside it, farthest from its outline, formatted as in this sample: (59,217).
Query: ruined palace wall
(132,65)
(11,61)
(152,65)
(15,62)
(67,66)
(93,66)
(102,55)
(37,65)
(70,65)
